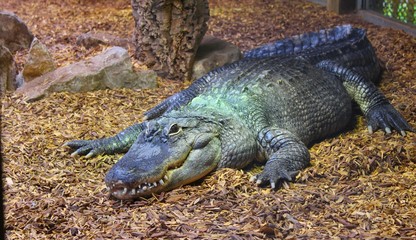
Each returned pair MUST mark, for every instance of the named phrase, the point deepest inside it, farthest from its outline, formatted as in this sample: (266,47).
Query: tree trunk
(168,33)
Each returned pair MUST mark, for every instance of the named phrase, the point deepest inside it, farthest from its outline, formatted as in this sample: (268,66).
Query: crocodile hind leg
(286,155)
(116,144)
(380,114)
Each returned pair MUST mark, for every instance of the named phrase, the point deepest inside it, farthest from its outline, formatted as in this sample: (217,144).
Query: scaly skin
(267,107)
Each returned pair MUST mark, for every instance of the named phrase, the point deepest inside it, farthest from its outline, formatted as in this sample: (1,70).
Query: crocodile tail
(343,44)
(303,43)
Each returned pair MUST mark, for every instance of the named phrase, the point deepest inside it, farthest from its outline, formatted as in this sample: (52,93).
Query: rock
(39,61)
(90,39)
(110,69)
(213,53)
(14,34)
(7,71)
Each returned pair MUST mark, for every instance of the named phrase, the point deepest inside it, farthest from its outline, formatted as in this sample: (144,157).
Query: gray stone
(14,34)
(91,39)
(213,53)
(110,69)
(39,61)
(7,71)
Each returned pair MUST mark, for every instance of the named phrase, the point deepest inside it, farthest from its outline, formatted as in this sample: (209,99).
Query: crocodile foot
(273,177)
(89,148)
(385,117)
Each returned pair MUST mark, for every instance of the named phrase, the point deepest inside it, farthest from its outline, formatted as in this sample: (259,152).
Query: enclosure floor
(359,185)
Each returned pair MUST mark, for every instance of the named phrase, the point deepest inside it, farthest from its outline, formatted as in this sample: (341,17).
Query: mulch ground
(359,185)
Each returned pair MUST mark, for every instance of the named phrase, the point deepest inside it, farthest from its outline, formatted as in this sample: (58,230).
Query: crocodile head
(168,153)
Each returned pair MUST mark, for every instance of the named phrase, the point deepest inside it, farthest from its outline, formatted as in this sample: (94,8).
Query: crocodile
(269,107)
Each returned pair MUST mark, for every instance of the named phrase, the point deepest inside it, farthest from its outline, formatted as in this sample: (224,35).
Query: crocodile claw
(83,147)
(385,117)
(273,177)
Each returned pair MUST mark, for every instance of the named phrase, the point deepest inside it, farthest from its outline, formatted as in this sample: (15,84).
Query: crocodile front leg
(380,114)
(286,155)
(116,144)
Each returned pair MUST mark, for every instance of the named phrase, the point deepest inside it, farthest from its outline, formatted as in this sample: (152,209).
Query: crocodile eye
(174,129)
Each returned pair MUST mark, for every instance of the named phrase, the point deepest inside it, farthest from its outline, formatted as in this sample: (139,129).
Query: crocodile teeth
(141,188)
(370,129)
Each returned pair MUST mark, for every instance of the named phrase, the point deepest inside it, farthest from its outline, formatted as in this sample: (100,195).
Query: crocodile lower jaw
(143,189)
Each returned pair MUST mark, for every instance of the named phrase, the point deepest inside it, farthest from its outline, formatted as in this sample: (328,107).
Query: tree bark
(168,33)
